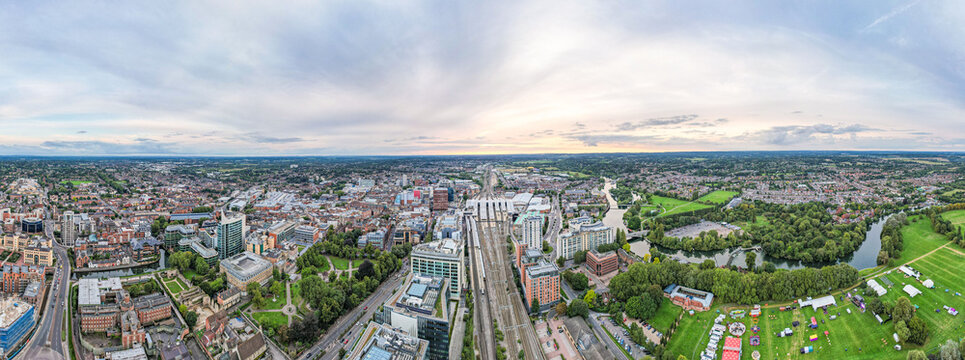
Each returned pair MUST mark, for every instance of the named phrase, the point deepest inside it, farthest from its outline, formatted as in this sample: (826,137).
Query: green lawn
(174,287)
(275,304)
(296,293)
(919,239)
(957,217)
(340,263)
(718,197)
(671,206)
(75,182)
(189,274)
(272,319)
(183,285)
(665,316)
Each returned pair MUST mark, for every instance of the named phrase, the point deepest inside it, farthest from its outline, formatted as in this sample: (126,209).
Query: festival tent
(911,290)
(814,337)
(928,284)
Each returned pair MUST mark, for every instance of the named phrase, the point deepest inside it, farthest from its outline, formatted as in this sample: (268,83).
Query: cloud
(791,135)
(107,148)
(271,139)
(659,121)
(894,12)
(82,131)
(595,140)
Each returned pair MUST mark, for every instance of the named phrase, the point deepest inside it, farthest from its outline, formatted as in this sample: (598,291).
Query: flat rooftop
(89,290)
(245,265)
(447,247)
(11,309)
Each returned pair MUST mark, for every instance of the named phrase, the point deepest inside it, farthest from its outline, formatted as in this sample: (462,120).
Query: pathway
(883,271)
(288,309)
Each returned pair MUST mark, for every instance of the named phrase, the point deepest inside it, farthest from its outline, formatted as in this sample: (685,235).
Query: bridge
(640,233)
(734,254)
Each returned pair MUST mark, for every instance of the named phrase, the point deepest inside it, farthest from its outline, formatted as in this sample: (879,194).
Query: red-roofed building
(732,349)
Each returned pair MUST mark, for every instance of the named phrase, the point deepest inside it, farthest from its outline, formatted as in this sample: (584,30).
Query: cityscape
(482,180)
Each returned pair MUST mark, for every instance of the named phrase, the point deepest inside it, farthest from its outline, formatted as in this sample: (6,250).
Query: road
(504,298)
(333,339)
(46,342)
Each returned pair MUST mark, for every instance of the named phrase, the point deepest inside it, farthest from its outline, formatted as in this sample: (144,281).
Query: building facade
(584,235)
(421,310)
(441,258)
(602,264)
(231,235)
(246,268)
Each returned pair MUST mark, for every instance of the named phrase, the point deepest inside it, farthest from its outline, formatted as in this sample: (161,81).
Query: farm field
(718,197)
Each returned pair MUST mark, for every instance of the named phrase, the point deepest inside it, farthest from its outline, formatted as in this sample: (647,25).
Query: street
(46,342)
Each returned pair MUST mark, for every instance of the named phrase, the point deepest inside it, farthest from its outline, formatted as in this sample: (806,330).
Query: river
(161,264)
(865,257)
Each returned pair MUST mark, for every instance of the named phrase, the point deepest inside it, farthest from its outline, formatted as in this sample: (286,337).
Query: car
(366,308)
(346,341)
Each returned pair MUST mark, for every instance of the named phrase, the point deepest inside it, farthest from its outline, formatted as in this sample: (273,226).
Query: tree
(367,269)
(917,355)
(707,264)
(579,257)
(681,357)
(534,307)
(902,330)
(277,289)
(200,265)
(750,260)
(191,318)
(577,308)
(882,260)
(561,308)
(590,298)
(642,307)
(903,310)
(950,351)
(560,261)
(918,330)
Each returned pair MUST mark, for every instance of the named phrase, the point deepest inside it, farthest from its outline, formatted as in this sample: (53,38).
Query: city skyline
(422,78)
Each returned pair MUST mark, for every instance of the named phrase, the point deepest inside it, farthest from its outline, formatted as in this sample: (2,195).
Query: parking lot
(623,337)
(555,341)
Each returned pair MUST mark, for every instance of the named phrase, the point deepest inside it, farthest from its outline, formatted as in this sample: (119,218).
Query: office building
(245,268)
(281,232)
(381,341)
(602,263)
(231,235)
(32,225)
(306,234)
(374,238)
(584,235)
(174,233)
(421,309)
(68,233)
(16,320)
(448,226)
(441,258)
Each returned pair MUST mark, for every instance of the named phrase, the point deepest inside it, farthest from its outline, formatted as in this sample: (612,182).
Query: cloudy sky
(469,77)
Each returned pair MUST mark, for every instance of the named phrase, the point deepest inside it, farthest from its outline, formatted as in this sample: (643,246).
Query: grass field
(340,263)
(671,206)
(718,197)
(665,316)
(957,217)
(856,335)
(173,286)
(189,274)
(275,304)
(75,182)
(272,319)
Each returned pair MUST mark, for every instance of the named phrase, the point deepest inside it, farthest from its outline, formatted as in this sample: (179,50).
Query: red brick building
(602,264)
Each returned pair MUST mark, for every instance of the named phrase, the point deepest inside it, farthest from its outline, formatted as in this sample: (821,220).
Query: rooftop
(89,290)
(447,247)
(382,342)
(11,309)
(245,265)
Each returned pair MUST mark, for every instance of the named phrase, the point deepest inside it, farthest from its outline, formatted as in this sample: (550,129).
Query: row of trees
(892,242)
(705,241)
(733,286)
(208,279)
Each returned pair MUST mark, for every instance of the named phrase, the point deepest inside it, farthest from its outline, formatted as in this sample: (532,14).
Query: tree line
(731,286)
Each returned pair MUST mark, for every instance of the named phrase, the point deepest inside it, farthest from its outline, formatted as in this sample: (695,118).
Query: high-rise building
(231,235)
(440,199)
(530,226)
(421,310)
(441,258)
(542,282)
(68,232)
(584,235)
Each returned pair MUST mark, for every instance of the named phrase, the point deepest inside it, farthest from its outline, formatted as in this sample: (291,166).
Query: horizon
(462,78)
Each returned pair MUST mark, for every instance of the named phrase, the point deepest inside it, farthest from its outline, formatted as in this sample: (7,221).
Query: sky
(479,77)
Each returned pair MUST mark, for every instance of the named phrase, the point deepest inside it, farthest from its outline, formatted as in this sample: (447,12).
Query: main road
(46,343)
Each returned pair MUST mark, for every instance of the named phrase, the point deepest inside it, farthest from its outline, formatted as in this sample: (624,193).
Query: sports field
(718,197)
